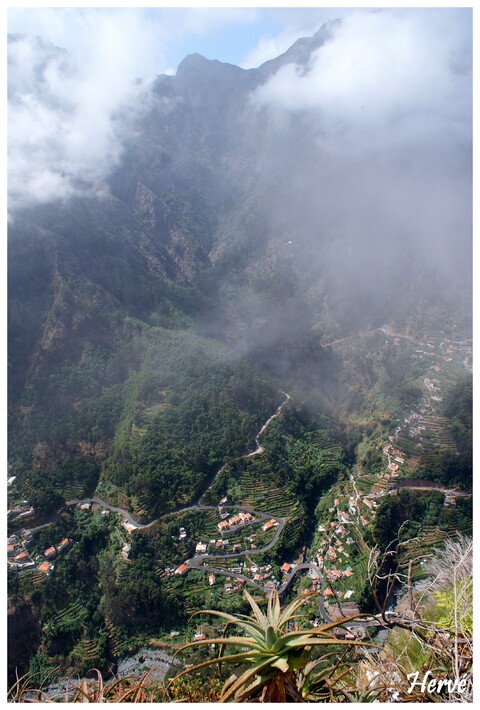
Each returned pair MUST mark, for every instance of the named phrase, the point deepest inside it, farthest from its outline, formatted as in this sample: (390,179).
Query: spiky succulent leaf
(245,677)
(270,636)
(281,663)
(235,658)
(290,609)
(228,640)
(259,615)
(273,609)
(300,643)
(248,626)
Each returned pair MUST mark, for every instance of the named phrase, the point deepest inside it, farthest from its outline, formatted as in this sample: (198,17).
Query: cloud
(291,24)
(378,71)
(64,135)
(380,136)
(270,47)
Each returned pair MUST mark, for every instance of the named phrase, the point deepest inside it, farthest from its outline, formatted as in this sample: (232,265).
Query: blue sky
(157,39)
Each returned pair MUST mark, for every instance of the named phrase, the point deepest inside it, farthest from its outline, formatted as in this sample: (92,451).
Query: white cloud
(379,76)
(383,119)
(291,23)
(269,48)
(62,132)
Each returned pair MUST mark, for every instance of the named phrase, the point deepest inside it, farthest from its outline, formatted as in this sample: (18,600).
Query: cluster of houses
(233,585)
(395,459)
(17,554)
(234,521)
(263,574)
(459,348)
(433,387)
(19,558)
(335,546)
(23,510)
(421,353)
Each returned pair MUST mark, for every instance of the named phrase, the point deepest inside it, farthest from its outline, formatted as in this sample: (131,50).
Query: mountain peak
(301,50)
(196,64)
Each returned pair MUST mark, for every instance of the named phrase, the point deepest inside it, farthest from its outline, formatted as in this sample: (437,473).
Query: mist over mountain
(266,211)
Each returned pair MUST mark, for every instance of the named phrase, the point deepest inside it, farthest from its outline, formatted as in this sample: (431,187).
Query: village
(19,558)
(225,558)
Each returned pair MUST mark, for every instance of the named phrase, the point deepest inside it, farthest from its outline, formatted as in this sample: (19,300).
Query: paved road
(197,562)
(419,487)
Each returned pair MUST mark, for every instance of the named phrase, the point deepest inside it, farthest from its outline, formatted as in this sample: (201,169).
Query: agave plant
(271,657)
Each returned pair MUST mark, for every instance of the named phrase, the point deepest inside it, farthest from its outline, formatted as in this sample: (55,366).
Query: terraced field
(261,493)
(118,639)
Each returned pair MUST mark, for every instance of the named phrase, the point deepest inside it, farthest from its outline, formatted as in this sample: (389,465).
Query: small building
(11,480)
(201,547)
(200,637)
(66,542)
(27,513)
(129,527)
(22,557)
(286,568)
(331,554)
(11,550)
(269,524)
(27,537)
(50,553)
(182,569)
(224,525)
(211,579)
(45,567)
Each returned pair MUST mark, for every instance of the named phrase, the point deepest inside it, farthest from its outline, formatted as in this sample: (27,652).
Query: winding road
(197,562)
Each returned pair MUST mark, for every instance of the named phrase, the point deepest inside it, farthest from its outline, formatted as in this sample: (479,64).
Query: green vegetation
(272,661)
